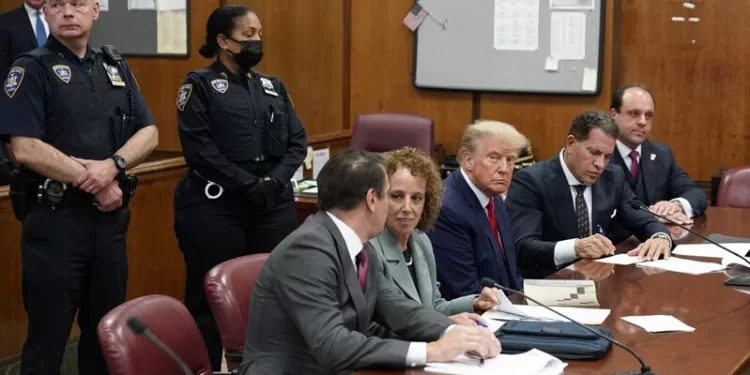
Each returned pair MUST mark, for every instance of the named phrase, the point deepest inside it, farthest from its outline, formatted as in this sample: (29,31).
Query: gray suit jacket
(308,314)
(426,291)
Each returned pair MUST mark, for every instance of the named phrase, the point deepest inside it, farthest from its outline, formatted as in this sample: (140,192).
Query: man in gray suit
(321,288)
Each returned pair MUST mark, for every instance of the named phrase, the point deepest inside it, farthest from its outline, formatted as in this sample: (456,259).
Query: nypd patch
(183,95)
(14,80)
(220,85)
(63,72)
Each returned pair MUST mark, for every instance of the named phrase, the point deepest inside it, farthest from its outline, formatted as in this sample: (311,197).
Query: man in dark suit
(321,288)
(561,209)
(21,30)
(472,238)
(649,166)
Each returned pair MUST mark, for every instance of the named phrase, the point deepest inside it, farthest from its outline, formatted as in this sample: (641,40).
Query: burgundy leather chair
(228,287)
(381,132)
(734,188)
(167,318)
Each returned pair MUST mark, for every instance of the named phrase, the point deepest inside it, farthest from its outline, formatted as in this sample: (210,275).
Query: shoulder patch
(14,80)
(220,85)
(183,95)
(63,72)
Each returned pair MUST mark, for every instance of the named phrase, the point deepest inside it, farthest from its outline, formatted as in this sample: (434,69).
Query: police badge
(63,72)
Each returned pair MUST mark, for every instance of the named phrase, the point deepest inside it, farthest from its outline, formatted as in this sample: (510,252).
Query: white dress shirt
(417,353)
(32,18)
(565,251)
(625,153)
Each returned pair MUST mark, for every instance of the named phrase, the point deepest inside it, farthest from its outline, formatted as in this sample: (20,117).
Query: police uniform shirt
(72,105)
(224,124)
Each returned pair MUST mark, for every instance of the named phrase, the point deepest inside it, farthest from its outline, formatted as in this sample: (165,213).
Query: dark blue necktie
(41,33)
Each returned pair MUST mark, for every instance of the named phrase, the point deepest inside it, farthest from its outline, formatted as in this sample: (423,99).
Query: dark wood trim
(476,105)
(616,42)
(328,137)
(347,62)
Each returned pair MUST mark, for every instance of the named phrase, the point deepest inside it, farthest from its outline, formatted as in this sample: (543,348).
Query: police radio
(113,57)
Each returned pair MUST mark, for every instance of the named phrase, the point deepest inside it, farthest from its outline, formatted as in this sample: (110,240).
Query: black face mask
(251,52)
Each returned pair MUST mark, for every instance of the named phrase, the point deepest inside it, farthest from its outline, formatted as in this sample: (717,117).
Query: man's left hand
(486,300)
(666,208)
(99,174)
(652,249)
(679,218)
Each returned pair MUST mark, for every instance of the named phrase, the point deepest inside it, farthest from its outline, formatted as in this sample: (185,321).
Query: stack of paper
(659,323)
(553,292)
(533,362)
(691,267)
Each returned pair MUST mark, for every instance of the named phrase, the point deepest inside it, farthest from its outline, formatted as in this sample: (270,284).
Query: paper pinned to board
(568,35)
(551,64)
(571,4)
(589,79)
(171,31)
(320,158)
(104,5)
(171,5)
(516,25)
(141,4)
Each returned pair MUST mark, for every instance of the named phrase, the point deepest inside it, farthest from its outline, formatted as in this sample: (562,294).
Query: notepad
(533,362)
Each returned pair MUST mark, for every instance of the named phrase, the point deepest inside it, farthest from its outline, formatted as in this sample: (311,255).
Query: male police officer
(75,121)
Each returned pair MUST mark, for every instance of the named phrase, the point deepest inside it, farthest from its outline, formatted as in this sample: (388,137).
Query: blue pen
(482,324)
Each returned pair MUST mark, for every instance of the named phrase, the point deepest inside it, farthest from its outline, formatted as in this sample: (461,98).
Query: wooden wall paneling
(381,72)
(545,119)
(6,5)
(160,78)
(700,87)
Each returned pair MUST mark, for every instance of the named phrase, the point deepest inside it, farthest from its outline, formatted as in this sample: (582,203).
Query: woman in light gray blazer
(405,250)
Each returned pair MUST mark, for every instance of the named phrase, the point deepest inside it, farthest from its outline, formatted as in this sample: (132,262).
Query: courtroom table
(720,315)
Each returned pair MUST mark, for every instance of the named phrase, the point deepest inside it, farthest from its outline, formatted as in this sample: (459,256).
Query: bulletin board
(517,46)
(144,28)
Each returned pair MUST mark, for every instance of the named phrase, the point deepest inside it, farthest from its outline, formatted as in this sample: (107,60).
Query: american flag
(415,17)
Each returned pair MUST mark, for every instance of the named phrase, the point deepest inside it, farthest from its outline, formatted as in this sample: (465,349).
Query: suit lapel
(27,30)
(350,272)
(395,259)
(599,216)
(424,281)
(559,191)
(617,159)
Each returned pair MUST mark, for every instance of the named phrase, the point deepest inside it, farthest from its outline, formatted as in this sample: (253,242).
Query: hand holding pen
(595,246)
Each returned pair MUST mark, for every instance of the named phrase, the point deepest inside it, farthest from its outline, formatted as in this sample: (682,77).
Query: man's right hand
(458,340)
(109,198)
(595,246)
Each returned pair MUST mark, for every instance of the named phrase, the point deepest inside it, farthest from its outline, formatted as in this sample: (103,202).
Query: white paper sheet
(568,35)
(171,5)
(583,315)
(516,25)
(550,64)
(141,4)
(680,265)
(659,323)
(711,251)
(731,260)
(589,79)
(622,259)
(171,30)
(575,293)
(533,362)
(104,5)
(571,4)
(319,159)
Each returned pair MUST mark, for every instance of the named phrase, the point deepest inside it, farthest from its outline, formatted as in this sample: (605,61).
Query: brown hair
(420,165)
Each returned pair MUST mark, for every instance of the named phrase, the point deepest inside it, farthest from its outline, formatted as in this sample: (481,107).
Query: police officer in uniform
(242,142)
(76,122)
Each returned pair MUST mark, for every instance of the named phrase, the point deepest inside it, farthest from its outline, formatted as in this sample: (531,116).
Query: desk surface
(720,315)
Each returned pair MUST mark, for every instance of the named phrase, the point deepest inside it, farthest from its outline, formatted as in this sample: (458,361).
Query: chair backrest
(167,318)
(380,132)
(734,188)
(229,287)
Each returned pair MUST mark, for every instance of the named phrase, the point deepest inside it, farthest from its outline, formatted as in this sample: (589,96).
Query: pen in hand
(481,359)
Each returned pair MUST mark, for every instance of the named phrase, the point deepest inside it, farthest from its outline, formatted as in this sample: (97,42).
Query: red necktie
(634,166)
(493,224)
(362,268)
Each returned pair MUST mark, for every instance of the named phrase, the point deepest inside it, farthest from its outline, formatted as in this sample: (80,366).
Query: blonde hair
(480,129)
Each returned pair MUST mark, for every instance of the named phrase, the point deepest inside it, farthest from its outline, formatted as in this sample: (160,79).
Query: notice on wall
(568,35)
(516,25)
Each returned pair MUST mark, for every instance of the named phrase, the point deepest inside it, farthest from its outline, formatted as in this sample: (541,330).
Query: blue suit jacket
(16,37)
(541,209)
(663,179)
(465,247)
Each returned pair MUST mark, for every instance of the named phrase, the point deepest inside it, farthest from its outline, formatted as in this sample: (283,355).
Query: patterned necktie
(362,268)
(634,166)
(582,213)
(493,224)
(41,32)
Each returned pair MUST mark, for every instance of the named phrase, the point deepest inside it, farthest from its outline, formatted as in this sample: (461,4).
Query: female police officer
(242,142)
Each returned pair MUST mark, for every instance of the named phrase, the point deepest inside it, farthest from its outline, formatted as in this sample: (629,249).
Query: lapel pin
(653,156)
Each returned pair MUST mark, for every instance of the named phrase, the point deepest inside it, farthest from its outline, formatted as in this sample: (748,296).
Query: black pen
(481,362)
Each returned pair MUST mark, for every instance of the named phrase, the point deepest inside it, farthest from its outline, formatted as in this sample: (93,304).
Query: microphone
(741,281)
(645,369)
(139,328)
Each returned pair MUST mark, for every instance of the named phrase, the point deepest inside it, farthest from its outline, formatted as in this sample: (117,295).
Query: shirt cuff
(686,207)
(565,251)
(416,355)
(664,235)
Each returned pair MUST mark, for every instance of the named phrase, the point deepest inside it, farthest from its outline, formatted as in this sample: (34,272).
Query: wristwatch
(122,165)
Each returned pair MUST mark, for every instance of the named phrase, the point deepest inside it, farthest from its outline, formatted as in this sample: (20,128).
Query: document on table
(659,323)
(691,267)
(533,362)
(710,250)
(585,315)
(573,293)
(621,259)
(734,260)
